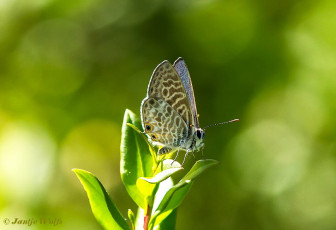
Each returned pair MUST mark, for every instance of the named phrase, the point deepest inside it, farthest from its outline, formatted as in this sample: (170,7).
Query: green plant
(147,180)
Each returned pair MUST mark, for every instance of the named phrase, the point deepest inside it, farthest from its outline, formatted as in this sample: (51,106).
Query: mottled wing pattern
(162,123)
(166,84)
(182,70)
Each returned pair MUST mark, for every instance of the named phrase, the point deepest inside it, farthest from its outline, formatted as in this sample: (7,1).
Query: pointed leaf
(168,222)
(145,188)
(176,194)
(139,221)
(161,176)
(169,163)
(102,206)
(152,150)
(164,187)
(198,168)
(136,160)
(131,217)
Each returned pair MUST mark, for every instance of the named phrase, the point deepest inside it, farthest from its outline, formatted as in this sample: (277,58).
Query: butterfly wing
(162,123)
(166,84)
(182,70)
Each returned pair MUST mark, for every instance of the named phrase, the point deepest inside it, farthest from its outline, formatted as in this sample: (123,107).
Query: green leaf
(169,163)
(168,222)
(102,206)
(161,176)
(146,189)
(136,160)
(163,188)
(131,217)
(149,185)
(177,193)
(139,221)
(152,150)
(171,200)
(199,167)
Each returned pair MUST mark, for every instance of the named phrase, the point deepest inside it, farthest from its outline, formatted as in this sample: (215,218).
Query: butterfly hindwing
(162,123)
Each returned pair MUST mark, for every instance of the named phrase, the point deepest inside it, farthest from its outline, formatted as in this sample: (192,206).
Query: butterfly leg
(177,153)
(203,153)
(185,156)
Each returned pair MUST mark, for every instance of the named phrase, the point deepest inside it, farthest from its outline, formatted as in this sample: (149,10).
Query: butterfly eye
(200,134)
(154,137)
(148,127)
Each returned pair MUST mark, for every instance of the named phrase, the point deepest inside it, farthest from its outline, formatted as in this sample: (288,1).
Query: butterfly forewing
(182,70)
(166,84)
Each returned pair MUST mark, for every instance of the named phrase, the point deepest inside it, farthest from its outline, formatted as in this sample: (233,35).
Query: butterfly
(168,113)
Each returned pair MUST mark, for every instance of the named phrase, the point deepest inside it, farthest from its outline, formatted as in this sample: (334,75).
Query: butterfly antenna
(222,123)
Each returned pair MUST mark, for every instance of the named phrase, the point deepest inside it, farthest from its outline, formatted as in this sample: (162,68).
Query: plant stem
(147,217)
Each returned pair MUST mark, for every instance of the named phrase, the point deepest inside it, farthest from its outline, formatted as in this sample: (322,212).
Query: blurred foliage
(68,70)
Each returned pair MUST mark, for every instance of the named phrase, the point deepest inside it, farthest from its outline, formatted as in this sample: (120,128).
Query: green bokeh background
(69,69)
